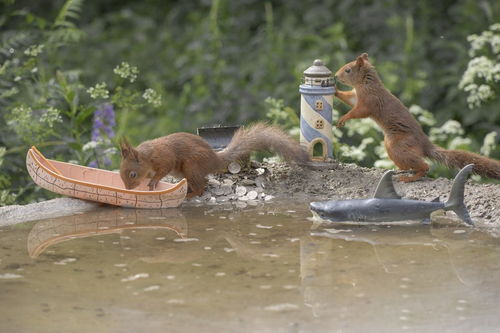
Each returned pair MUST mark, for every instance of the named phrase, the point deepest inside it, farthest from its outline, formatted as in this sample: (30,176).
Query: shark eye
(132,174)
(347,70)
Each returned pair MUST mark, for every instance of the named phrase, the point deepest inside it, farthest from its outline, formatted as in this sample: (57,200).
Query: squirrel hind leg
(194,193)
(196,182)
(195,187)
(418,174)
(412,163)
(408,160)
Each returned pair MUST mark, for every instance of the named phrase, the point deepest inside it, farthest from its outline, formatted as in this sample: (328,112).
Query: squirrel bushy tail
(263,137)
(483,166)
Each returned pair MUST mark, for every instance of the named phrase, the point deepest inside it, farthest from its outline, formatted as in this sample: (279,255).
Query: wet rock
(46,209)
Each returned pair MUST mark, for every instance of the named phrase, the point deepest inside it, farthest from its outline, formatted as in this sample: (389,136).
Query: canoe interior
(95,176)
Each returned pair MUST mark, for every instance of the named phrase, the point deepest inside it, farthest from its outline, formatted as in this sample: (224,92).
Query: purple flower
(102,132)
(107,161)
(104,121)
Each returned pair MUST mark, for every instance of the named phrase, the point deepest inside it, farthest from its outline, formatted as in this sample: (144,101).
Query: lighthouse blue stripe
(310,134)
(326,113)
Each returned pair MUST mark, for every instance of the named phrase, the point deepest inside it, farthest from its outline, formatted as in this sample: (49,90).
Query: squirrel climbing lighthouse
(316,111)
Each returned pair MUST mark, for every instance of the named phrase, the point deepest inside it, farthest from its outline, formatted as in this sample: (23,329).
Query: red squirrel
(405,141)
(190,156)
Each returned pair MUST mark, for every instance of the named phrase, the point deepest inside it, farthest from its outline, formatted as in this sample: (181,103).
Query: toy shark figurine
(387,206)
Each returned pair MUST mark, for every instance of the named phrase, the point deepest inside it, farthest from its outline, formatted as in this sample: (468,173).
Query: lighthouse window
(319,105)
(320,124)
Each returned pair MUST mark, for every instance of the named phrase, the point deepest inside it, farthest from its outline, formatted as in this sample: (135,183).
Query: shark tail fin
(456,200)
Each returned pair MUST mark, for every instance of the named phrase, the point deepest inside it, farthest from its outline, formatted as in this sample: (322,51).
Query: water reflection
(256,268)
(393,276)
(102,222)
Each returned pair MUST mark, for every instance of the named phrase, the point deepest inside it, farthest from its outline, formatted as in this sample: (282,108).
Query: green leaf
(84,114)
(70,10)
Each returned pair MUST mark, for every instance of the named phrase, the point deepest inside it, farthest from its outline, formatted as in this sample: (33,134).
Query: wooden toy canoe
(100,185)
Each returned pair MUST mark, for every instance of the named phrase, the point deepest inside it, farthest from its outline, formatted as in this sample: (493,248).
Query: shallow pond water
(257,269)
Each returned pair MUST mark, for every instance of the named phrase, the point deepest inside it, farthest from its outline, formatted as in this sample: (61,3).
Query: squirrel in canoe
(405,141)
(190,156)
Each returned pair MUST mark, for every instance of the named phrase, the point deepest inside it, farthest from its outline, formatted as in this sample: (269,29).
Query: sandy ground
(261,183)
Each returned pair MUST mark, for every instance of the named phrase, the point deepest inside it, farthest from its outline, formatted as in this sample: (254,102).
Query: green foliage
(6,196)
(171,66)
(47,105)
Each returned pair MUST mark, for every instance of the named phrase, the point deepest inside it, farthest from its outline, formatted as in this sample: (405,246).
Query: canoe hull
(45,173)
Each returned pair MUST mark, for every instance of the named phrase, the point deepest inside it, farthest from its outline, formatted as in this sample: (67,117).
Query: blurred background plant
(76,75)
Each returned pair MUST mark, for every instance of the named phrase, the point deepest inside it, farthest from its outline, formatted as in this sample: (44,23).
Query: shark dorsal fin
(385,188)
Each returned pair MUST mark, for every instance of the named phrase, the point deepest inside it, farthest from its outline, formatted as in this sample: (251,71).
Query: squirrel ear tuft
(360,61)
(124,147)
(127,150)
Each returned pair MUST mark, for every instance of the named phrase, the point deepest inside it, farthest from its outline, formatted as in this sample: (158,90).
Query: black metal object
(218,137)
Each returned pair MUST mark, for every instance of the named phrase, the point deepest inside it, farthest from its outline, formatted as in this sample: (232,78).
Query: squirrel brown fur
(405,141)
(190,156)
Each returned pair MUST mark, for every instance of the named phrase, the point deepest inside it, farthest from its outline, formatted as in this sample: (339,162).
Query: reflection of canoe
(100,185)
(102,222)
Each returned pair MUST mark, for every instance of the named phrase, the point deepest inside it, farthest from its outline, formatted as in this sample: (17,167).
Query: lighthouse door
(318,150)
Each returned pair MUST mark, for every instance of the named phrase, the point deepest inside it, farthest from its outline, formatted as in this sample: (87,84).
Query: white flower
(447,130)
(98,91)
(51,116)
(423,116)
(34,50)
(125,71)
(488,143)
(459,142)
(357,153)
(152,97)
(90,145)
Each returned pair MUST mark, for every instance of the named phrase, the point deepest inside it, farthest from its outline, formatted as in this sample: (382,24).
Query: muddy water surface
(258,269)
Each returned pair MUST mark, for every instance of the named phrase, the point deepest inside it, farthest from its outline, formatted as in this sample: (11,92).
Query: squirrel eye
(132,174)
(347,70)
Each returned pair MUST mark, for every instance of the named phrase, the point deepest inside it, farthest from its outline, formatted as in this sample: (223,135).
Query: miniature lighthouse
(316,111)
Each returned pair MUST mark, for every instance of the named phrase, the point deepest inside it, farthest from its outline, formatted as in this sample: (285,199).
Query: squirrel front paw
(341,121)
(152,185)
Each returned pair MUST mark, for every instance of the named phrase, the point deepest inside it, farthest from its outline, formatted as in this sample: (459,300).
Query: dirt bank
(263,182)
